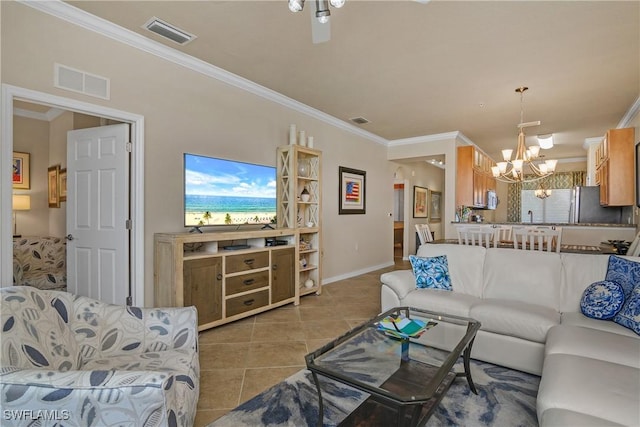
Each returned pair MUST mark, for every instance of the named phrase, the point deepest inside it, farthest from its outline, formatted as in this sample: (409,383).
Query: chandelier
(527,165)
(542,192)
(322,8)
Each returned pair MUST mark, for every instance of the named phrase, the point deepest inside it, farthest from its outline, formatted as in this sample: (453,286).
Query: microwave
(492,199)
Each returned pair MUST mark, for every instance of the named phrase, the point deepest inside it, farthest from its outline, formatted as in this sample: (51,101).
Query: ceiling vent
(168,31)
(359,120)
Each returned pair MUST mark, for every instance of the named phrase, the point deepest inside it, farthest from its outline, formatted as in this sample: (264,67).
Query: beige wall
(187,111)
(424,175)
(32,136)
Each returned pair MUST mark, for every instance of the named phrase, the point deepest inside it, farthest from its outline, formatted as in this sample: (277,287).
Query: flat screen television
(227,192)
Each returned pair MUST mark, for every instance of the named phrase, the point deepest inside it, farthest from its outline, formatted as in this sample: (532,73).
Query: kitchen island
(577,235)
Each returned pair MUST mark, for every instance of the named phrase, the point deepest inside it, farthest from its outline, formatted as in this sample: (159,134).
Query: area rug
(505,398)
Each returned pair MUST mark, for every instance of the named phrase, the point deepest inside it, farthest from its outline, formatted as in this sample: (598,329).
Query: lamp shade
(545,141)
(21,202)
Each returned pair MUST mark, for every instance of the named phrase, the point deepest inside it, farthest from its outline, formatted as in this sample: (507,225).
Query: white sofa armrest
(395,286)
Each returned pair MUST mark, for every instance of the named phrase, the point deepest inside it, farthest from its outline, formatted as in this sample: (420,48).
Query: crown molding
(50,115)
(634,110)
(457,135)
(73,15)
(588,142)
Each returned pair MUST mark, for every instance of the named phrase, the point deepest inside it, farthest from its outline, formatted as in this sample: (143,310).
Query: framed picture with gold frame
(53,193)
(63,185)
(21,176)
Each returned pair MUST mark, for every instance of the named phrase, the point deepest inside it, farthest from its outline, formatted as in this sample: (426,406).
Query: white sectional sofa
(529,305)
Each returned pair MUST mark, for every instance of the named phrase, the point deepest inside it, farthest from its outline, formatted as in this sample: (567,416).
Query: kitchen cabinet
(615,168)
(473,177)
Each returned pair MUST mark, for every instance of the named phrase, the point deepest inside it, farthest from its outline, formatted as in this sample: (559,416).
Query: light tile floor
(241,359)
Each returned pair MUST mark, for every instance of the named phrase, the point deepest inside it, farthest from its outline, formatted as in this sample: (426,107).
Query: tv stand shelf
(224,284)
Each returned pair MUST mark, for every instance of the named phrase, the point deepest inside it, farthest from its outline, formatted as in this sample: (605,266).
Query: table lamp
(21,202)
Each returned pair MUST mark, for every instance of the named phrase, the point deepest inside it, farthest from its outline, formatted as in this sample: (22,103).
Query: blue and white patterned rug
(505,398)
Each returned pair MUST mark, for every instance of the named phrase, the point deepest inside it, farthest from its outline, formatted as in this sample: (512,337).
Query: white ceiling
(417,69)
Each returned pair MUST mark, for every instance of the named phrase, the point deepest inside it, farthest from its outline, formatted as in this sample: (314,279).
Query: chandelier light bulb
(506,155)
(296,5)
(337,3)
(502,167)
(517,164)
(551,165)
(543,168)
(534,150)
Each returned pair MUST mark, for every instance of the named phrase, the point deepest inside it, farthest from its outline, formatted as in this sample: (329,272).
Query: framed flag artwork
(351,191)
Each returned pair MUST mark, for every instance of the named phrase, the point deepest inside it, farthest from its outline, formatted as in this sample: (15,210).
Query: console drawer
(249,302)
(247,282)
(245,262)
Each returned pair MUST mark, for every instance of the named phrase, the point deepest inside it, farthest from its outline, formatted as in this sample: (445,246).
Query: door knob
(69,237)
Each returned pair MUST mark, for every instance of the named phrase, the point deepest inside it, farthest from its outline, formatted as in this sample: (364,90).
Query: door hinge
(129,147)
(129,301)
(128,224)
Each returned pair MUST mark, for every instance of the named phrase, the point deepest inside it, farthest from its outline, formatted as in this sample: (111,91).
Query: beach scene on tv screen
(225,192)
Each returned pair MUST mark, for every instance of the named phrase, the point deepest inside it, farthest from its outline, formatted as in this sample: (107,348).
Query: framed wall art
(63,185)
(53,193)
(352,186)
(420,208)
(21,175)
(435,204)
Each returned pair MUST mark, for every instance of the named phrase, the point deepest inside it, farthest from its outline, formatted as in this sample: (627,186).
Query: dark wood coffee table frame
(385,407)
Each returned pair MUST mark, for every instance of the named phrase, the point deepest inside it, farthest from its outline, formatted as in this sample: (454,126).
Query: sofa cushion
(441,301)
(34,335)
(522,275)
(602,300)
(578,319)
(594,343)
(522,320)
(431,272)
(578,272)
(465,265)
(629,316)
(623,271)
(589,386)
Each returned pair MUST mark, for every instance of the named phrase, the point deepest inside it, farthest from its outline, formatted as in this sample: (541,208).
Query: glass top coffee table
(405,380)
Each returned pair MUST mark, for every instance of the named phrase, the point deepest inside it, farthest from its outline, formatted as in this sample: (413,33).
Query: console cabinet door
(203,287)
(283,283)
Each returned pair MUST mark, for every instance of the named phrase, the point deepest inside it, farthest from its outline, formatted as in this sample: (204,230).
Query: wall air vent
(81,82)
(359,120)
(168,31)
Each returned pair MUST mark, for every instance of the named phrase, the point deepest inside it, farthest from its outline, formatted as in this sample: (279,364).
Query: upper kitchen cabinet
(615,168)
(473,177)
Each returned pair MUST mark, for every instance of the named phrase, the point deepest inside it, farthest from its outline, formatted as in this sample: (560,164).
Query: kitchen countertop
(603,248)
(558,224)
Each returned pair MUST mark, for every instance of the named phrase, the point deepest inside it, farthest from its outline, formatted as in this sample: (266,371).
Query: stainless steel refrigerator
(585,208)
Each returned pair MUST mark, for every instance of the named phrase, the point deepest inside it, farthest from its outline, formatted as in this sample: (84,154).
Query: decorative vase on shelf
(303,168)
(305,196)
(308,283)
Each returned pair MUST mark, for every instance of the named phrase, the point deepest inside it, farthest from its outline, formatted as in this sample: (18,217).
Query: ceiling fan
(320,26)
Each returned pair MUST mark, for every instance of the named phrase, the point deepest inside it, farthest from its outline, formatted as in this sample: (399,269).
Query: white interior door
(97,213)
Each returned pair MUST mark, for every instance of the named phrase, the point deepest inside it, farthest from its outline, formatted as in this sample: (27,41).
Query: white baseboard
(351,274)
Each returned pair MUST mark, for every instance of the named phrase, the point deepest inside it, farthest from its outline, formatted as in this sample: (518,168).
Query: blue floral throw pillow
(629,316)
(623,271)
(602,300)
(432,273)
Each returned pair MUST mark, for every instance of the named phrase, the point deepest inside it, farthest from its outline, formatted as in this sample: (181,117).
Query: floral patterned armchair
(77,361)
(40,262)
